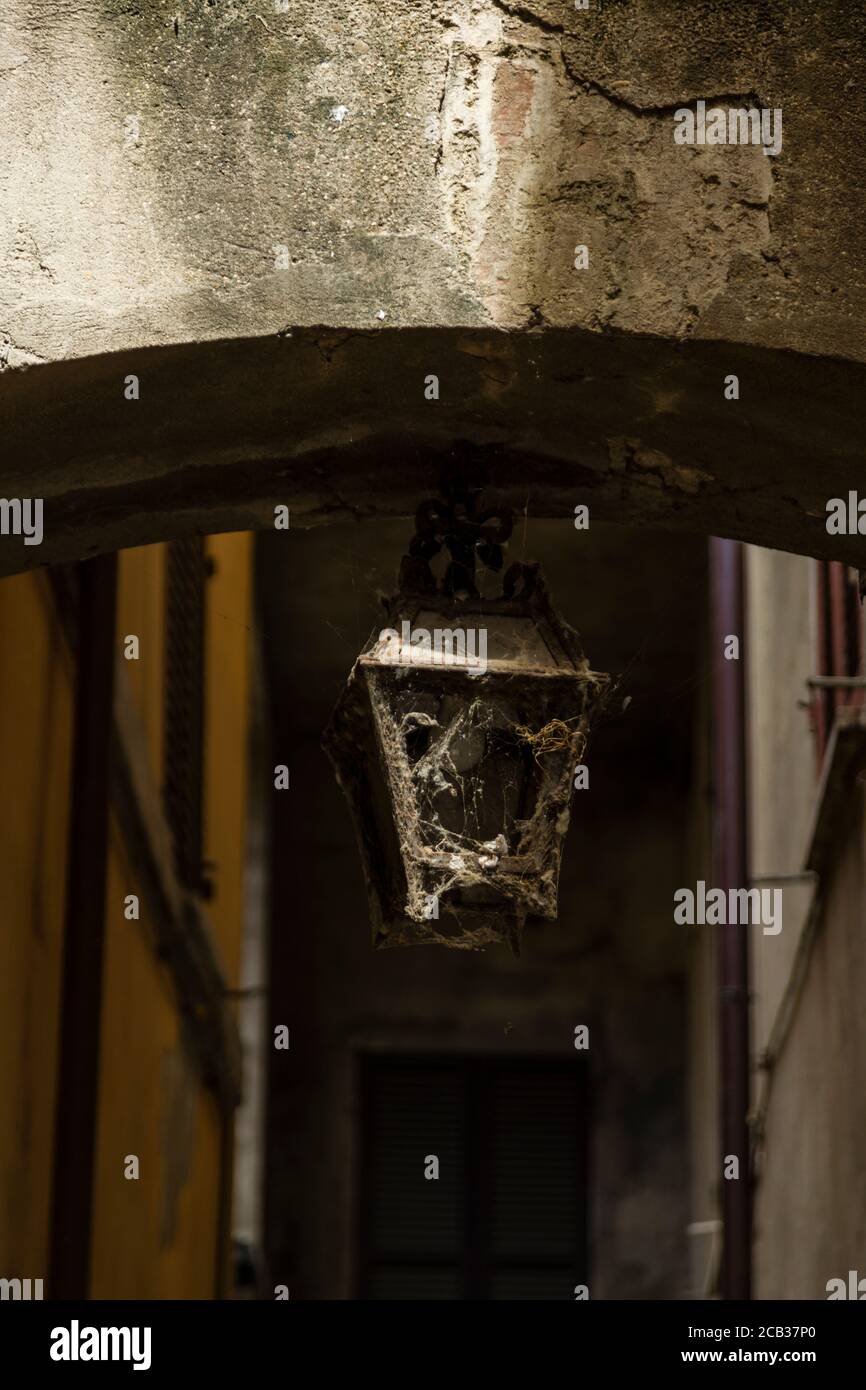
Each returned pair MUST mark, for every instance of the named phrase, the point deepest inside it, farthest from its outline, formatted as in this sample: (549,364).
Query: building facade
(160,1165)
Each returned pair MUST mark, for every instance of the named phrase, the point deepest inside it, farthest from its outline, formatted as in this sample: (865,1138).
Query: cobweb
(481,785)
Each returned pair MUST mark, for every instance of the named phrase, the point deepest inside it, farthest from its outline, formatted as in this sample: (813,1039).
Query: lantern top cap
(475,635)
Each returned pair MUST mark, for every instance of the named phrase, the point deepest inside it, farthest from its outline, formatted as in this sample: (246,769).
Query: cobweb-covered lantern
(456,741)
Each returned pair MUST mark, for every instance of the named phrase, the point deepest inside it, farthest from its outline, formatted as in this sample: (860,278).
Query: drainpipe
(84,936)
(730,870)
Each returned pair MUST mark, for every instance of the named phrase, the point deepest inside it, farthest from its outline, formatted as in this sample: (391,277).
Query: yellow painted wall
(151,1105)
(141,611)
(228,647)
(155,1237)
(228,665)
(36,684)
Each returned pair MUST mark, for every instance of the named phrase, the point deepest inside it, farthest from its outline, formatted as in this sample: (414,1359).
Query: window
(506,1218)
(184,708)
(840,645)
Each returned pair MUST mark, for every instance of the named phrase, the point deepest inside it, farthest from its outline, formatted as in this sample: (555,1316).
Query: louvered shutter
(506,1218)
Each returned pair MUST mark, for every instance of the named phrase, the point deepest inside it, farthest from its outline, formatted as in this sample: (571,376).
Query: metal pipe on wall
(730,870)
(84,933)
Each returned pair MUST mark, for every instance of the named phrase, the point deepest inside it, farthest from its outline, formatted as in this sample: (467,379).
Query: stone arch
(336,424)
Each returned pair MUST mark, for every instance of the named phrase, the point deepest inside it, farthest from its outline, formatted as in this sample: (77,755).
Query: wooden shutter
(506,1218)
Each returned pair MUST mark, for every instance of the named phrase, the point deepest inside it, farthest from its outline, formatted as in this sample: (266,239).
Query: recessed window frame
(840,646)
(476,1263)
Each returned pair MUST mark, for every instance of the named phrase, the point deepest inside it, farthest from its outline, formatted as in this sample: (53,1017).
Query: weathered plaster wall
(782,654)
(810,1204)
(436,163)
(810,1197)
(189,191)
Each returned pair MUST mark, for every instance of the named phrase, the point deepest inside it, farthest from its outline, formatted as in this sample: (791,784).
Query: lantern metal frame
(422,891)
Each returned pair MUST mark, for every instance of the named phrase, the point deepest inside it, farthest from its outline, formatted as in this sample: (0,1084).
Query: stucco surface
(436,164)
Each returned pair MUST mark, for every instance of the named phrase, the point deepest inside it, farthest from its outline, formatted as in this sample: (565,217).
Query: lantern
(457,737)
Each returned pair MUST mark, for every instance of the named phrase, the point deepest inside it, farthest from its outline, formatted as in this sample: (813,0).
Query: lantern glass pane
(470,774)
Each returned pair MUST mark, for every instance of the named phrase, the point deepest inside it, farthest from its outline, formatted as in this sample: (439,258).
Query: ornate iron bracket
(471,534)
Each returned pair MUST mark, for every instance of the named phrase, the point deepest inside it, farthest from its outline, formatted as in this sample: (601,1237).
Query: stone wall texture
(280,217)
(223,168)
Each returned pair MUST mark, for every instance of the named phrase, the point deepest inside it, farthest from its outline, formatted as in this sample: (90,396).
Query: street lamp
(457,737)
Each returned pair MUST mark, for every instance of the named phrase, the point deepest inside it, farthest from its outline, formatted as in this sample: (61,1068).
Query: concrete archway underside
(336,425)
